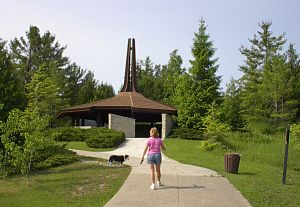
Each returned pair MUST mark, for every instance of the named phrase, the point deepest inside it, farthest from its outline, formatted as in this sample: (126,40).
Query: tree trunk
(28,170)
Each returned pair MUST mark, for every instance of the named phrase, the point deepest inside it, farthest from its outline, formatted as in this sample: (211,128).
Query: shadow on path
(181,187)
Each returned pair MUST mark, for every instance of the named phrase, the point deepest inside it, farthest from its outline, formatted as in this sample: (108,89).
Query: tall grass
(261,165)
(265,149)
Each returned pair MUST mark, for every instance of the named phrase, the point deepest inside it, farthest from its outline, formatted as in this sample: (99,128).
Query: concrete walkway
(183,185)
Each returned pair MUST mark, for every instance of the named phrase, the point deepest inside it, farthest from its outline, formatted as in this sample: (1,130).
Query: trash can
(231,162)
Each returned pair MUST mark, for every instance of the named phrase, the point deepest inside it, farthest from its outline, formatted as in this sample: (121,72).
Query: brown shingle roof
(124,100)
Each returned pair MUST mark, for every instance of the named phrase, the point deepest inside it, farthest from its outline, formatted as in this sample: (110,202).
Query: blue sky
(96,31)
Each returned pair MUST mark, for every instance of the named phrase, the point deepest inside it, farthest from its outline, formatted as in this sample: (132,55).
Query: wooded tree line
(35,71)
(268,91)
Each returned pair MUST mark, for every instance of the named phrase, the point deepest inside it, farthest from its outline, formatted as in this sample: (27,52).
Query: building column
(166,125)
(122,123)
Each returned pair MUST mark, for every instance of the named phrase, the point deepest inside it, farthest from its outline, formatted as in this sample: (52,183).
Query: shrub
(106,139)
(94,137)
(208,145)
(109,137)
(67,134)
(53,156)
(185,133)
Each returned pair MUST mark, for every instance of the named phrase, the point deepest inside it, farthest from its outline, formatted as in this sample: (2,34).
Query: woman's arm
(145,150)
(163,146)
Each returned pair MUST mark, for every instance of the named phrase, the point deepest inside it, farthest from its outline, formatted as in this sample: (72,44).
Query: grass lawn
(260,170)
(78,184)
(83,146)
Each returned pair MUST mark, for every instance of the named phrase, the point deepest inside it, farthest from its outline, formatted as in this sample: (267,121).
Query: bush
(94,137)
(53,156)
(185,133)
(208,145)
(107,139)
(67,134)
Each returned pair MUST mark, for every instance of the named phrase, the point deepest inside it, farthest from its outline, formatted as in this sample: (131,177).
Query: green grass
(78,184)
(83,146)
(260,170)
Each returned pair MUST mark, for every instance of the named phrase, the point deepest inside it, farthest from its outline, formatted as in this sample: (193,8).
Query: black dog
(117,158)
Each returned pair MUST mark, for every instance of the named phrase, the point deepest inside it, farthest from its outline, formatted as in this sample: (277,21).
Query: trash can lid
(232,153)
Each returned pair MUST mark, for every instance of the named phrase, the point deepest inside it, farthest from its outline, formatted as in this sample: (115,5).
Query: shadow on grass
(66,169)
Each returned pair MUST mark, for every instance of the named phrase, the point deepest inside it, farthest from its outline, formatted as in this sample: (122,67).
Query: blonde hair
(154,132)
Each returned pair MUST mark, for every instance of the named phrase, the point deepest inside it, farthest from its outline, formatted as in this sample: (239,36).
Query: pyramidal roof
(128,98)
(125,100)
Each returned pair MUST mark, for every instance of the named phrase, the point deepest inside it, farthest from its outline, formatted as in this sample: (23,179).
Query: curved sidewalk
(183,185)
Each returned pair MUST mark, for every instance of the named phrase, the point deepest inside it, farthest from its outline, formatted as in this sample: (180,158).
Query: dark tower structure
(130,84)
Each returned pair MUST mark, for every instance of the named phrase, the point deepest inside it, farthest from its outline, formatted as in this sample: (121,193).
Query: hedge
(94,137)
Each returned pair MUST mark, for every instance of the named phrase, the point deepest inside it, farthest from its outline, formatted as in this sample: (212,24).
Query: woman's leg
(152,175)
(158,173)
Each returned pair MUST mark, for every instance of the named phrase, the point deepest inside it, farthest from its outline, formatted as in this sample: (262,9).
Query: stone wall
(121,123)
(166,125)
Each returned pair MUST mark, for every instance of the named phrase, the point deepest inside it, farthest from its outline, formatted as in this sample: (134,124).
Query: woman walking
(154,145)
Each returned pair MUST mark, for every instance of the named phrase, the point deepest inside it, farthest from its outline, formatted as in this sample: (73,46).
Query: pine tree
(149,81)
(103,91)
(88,88)
(11,88)
(73,80)
(231,106)
(293,64)
(197,90)
(264,47)
(35,50)
(170,76)
(276,82)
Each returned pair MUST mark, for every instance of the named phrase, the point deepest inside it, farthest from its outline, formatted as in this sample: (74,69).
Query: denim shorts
(154,158)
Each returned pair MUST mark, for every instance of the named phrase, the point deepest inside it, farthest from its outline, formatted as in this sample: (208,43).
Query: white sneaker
(159,183)
(152,187)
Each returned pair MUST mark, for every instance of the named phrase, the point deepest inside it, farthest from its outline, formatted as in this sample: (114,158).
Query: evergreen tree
(278,85)
(11,88)
(104,91)
(264,47)
(293,64)
(149,80)
(197,90)
(170,76)
(34,50)
(73,79)
(231,106)
(88,88)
